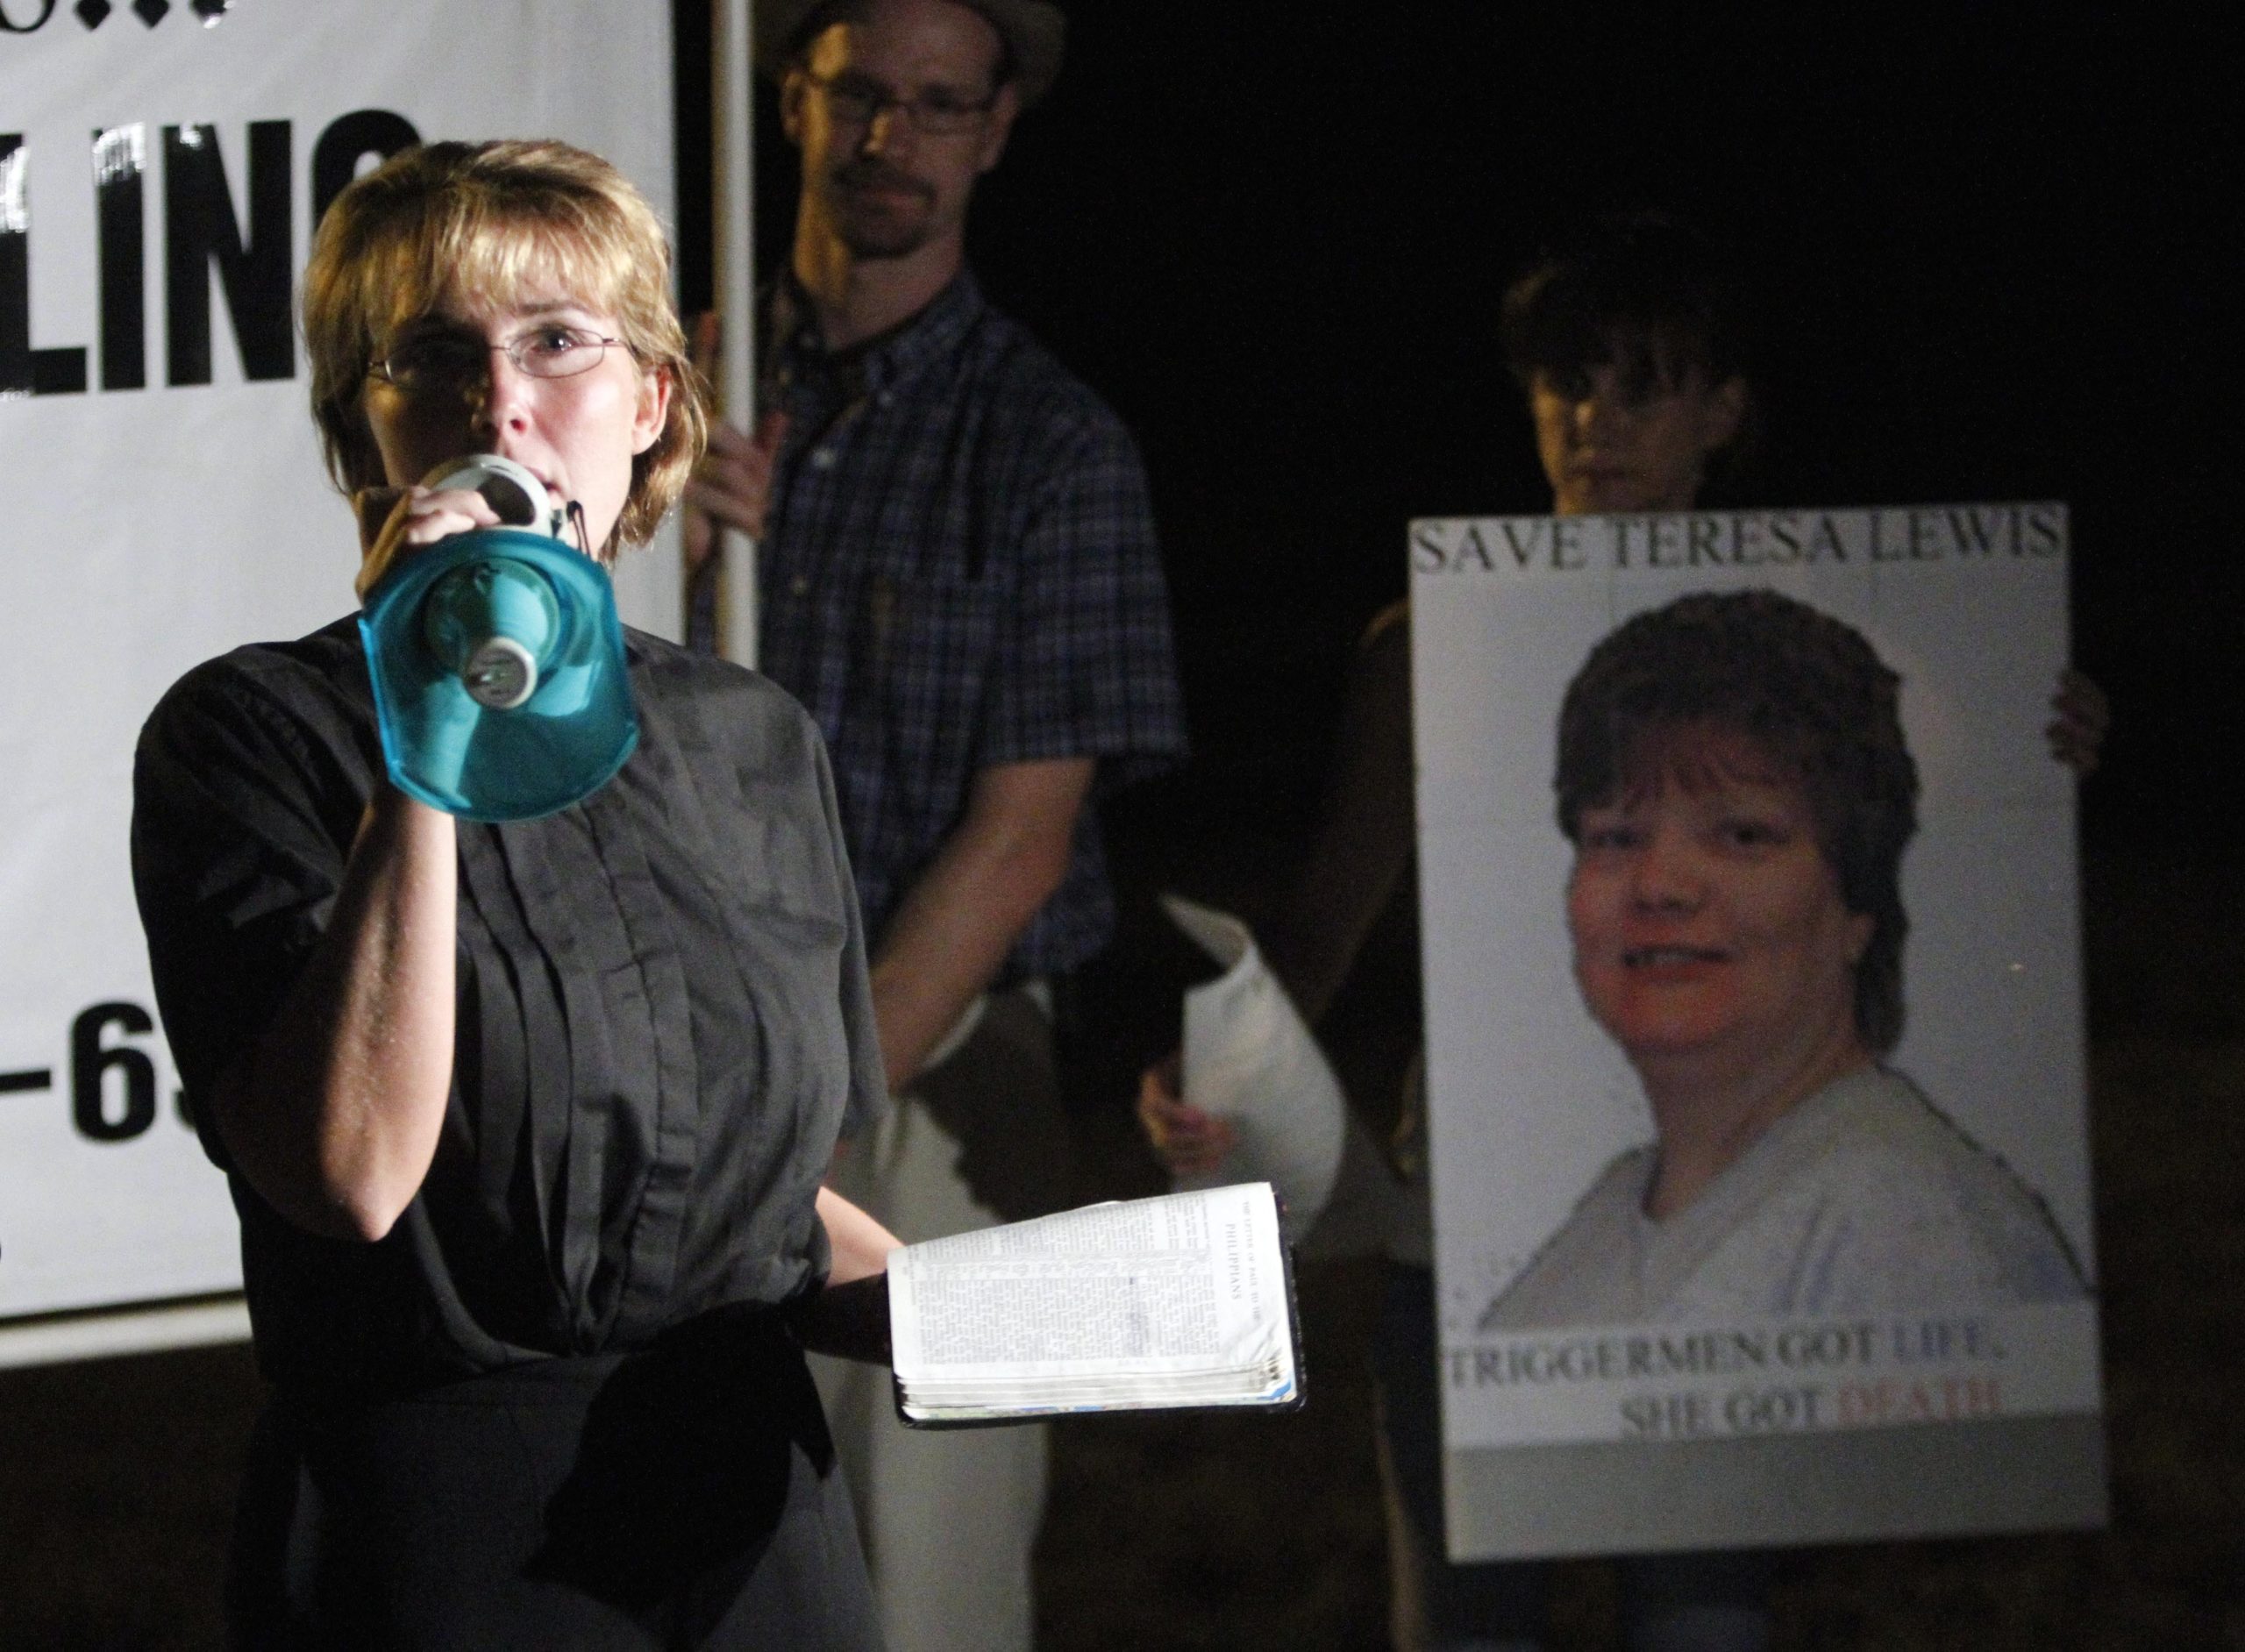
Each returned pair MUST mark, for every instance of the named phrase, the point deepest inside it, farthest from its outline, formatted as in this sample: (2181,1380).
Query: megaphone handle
(446,739)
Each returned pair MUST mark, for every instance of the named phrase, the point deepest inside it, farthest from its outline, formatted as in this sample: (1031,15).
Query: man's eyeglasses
(445,360)
(858,100)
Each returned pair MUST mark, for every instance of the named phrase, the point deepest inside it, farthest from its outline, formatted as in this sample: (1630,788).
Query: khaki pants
(949,1517)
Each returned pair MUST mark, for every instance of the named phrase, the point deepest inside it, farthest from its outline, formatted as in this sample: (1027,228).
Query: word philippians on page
(1182,1300)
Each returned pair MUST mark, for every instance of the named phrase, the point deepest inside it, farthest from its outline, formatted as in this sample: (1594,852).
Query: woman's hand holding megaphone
(397,520)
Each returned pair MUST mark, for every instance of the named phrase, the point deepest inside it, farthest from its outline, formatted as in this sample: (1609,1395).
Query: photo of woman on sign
(1733,776)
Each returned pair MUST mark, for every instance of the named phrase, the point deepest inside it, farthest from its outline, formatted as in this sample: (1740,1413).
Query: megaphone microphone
(491,619)
(497,658)
(512,489)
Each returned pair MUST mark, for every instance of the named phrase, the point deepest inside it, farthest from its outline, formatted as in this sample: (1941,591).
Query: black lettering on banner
(120,163)
(349,140)
(1427,556)
(1672,1416)
(8,26)
(1665,535)
(94,13)
(152,12)
(1522,553)
(24,370)
(200,230)
(1976,532)
(91,1062)
(1772,1410)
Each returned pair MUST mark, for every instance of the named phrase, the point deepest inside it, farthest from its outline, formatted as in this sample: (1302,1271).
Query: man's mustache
(874,175)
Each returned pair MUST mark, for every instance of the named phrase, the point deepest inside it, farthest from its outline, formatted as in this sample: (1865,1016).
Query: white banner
(162,499)
(1539,1132)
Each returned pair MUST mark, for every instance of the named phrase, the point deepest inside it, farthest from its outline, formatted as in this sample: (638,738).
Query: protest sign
(1877,1317)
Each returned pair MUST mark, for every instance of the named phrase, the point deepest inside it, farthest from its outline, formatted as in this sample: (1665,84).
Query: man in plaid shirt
(958,578)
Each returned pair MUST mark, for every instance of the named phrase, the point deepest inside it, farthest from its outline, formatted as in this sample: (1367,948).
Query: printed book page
(1183,1300)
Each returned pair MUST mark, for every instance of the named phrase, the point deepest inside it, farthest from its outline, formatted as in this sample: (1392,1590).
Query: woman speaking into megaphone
(525,1118)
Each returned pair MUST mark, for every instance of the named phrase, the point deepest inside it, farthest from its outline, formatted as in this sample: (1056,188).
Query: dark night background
(1986,245)
(1985,266)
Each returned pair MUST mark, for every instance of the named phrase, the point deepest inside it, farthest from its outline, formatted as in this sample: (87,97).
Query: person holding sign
(525,1123)
(1626,346)
(1733,777)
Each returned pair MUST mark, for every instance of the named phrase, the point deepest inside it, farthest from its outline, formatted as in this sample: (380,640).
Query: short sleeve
(242,819)
(1085,665)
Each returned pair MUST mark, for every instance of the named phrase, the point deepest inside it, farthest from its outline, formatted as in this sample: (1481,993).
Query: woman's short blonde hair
(497,220)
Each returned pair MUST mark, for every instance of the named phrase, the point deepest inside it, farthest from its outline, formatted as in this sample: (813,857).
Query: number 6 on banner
(90,1062)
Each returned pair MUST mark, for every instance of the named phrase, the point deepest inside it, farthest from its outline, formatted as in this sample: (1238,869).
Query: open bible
(1186,1299)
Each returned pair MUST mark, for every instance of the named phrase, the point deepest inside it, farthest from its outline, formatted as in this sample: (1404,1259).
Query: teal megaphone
(497,659)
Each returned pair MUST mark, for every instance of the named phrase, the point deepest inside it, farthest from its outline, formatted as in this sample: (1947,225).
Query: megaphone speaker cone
(494,622)
(500,684)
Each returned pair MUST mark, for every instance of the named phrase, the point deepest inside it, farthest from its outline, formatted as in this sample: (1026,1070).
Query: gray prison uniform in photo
(1864,1199)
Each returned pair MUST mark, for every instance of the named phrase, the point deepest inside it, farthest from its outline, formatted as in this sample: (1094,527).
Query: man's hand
(1187,1141)
(731,486)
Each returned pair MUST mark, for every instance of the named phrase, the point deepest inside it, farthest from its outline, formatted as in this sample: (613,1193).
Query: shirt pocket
(928,641)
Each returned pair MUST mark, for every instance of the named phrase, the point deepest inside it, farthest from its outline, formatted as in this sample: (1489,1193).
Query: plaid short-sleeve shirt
(959,570)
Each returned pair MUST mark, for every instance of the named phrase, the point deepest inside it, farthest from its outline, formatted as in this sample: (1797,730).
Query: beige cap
(1035,32)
